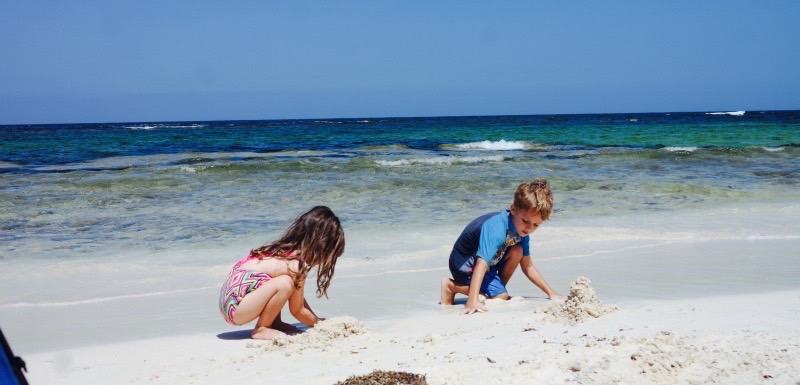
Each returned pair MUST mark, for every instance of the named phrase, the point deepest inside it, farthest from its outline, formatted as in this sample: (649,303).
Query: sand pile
(581,304)
(323,334)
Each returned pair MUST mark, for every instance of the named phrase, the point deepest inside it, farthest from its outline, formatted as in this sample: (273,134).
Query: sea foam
(442,160)
(157,126)
(680,149)
(500,145)
(732,113)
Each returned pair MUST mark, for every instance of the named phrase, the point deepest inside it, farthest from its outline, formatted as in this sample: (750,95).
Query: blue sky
(113,61)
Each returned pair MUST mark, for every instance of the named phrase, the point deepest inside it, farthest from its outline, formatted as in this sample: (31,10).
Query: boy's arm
(536,277)
(473,303)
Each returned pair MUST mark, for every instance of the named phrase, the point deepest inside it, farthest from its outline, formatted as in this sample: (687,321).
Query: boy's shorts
(491,286)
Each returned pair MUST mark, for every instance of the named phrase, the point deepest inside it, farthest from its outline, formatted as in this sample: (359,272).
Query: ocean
(106,212)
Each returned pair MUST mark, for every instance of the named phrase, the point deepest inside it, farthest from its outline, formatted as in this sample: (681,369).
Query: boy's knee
(514,253)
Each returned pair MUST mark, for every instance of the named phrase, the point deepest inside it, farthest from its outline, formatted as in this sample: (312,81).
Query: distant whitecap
(732,113)
(143,127)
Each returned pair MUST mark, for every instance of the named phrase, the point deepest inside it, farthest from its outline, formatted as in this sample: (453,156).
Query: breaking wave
(731,113)
(500,145)
(442,160)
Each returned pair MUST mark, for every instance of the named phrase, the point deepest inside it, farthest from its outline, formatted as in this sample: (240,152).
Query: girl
(259,285)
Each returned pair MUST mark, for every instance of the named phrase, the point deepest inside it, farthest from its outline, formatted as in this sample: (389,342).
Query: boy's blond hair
(535,195)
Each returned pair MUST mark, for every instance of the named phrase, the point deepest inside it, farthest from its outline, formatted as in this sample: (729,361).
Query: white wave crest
(156,126)
(144,127)
(500,145)
(773,149)
(732,113)
(185,126)
(8,165)
(680,149)
(442,160)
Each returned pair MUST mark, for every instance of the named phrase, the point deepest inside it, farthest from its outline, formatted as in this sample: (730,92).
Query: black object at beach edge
(381,377)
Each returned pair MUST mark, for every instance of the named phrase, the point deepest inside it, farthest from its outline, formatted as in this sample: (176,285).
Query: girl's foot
(265,333)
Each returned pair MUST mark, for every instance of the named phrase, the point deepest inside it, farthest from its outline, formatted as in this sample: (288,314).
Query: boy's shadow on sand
(463,300)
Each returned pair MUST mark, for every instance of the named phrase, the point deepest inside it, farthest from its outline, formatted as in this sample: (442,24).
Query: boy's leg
(493,286)
(510,263)
(494,283)
(450,289)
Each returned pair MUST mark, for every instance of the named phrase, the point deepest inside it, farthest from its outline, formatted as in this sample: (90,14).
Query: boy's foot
(265,333)
(447,292)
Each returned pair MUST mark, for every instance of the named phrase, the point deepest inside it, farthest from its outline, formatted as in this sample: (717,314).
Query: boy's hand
(556,296)
(473,303)
(474,308)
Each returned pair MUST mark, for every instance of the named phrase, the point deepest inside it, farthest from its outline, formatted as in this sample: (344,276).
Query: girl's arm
(300,309)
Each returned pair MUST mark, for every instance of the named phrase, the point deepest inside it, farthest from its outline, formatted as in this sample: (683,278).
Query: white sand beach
(740,339)
(689,311)
(695,306)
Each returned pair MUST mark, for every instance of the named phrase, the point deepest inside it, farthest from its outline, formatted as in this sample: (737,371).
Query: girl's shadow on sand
(245,334)
(235,335)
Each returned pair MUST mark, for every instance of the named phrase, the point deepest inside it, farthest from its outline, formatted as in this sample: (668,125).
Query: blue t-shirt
(488,237)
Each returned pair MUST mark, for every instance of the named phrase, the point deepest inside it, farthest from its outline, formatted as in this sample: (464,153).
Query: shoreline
(676,271)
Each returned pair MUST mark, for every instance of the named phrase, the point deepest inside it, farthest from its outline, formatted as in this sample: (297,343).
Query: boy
(491,247)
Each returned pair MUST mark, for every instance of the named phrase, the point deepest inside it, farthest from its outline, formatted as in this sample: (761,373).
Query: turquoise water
(142,202)
(77,190)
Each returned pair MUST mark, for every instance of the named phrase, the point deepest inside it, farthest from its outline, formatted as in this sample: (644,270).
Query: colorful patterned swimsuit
(240,282)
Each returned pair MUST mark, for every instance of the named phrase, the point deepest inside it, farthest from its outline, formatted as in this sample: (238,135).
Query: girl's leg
(287,328)
(265,303)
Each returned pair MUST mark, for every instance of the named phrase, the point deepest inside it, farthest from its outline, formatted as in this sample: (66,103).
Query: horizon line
(388,117)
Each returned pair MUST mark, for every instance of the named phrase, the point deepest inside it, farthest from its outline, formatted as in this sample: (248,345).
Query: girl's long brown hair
(317,239)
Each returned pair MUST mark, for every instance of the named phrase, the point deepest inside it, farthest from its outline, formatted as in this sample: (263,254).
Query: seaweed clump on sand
(382,377)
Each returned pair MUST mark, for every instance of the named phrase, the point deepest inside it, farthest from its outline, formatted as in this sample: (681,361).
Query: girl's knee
(283,283)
